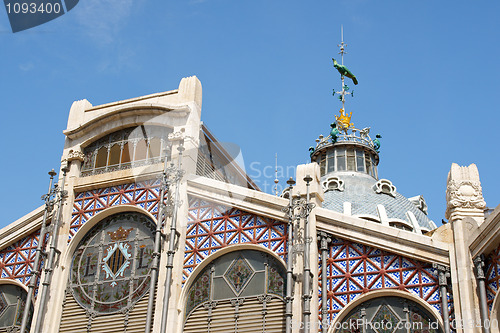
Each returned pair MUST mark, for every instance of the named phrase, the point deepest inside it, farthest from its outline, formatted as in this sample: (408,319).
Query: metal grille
(250,316)
(125,149)
(354,269)
(206,169)
(75,320)
(493,276)
(212,227)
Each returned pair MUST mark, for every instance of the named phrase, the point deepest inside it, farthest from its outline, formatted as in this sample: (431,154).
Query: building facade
(150,226)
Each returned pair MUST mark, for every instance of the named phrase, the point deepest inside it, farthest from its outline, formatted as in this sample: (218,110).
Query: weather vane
(344,120)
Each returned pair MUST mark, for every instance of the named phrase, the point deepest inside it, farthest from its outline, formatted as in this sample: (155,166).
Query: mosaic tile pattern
(212,227)
(493,276)
(354,269)
(16,260)
(143,194)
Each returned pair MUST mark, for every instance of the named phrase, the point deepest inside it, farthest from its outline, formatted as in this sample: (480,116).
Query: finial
(276,180)
(342,44)
(344,72)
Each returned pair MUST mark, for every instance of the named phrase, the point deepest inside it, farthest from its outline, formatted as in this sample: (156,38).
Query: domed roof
(361,195)
(348,159)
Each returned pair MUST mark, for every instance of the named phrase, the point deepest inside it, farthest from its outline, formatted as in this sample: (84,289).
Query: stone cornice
(21,227)
(487,236)
(236,196)
(387,238)
(123,111)
(133,100)
(394,240)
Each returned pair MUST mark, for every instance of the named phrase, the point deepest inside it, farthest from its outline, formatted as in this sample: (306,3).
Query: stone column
(324,241)
(465,211)
(309,305)
(483,300)
(443,275)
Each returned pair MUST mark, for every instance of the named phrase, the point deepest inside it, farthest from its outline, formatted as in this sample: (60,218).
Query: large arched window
(12,304)
(239,291)
(110,269)
(125,149)
(388,315)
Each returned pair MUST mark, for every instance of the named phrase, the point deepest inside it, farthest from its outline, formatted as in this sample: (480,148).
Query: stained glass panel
(243,273)
(276,281)
(12,303)
(239,274)
(420,322)
(111,266)
(389,315)
(385,320)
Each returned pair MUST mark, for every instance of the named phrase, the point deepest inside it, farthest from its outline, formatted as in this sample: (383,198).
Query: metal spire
(345,89)
(341,45)
(343,121)
(276,180)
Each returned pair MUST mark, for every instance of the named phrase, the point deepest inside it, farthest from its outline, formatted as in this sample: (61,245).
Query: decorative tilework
(16,260)
(143,194)
(212,227)
(493,276)
(354,269)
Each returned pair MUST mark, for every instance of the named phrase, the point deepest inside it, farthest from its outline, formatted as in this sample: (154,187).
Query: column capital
(480,265)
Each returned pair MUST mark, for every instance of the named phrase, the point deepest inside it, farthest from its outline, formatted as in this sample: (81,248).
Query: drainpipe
(177,173)
(324,240)
(35,274)
(61,193)
(443,275)
(157,245)
(481,283)
(289,260)
(306,311)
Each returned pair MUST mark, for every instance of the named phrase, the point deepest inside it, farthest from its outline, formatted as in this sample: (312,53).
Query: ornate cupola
(348,158)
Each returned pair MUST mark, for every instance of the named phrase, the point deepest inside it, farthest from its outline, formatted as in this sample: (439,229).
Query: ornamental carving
(465,194)
(464,189)
(75,155)
(333,184)
(385,186)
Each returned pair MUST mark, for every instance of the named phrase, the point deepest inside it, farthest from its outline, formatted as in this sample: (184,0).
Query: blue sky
(428,82)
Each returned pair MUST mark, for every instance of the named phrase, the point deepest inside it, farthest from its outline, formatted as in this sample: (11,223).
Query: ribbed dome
(363,196)
(348,165)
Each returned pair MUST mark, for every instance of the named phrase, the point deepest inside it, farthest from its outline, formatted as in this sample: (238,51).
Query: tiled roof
(359,191)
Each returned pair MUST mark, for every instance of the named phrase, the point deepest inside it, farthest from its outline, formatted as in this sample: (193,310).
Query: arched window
(12,303)
(243,289)
(125,149)
(389,315)
(110,273)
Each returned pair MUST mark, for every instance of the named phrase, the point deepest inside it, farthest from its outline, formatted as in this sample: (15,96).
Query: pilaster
(464,211)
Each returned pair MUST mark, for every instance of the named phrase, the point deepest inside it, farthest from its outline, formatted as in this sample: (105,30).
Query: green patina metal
(334,132)
(376,143)
(344,71)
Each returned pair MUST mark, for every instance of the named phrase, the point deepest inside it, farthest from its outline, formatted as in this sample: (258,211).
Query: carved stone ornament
(419,201)
(385,186)
(75,155)
(176,136)
(465,194)
(333,184)
(464,189)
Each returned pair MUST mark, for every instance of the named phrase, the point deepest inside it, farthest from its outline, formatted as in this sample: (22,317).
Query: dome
(376,200)
(348,160)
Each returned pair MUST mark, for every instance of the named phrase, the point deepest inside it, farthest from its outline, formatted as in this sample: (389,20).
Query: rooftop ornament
(343,130)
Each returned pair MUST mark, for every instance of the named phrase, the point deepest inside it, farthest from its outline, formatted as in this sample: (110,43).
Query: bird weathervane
(343,122)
